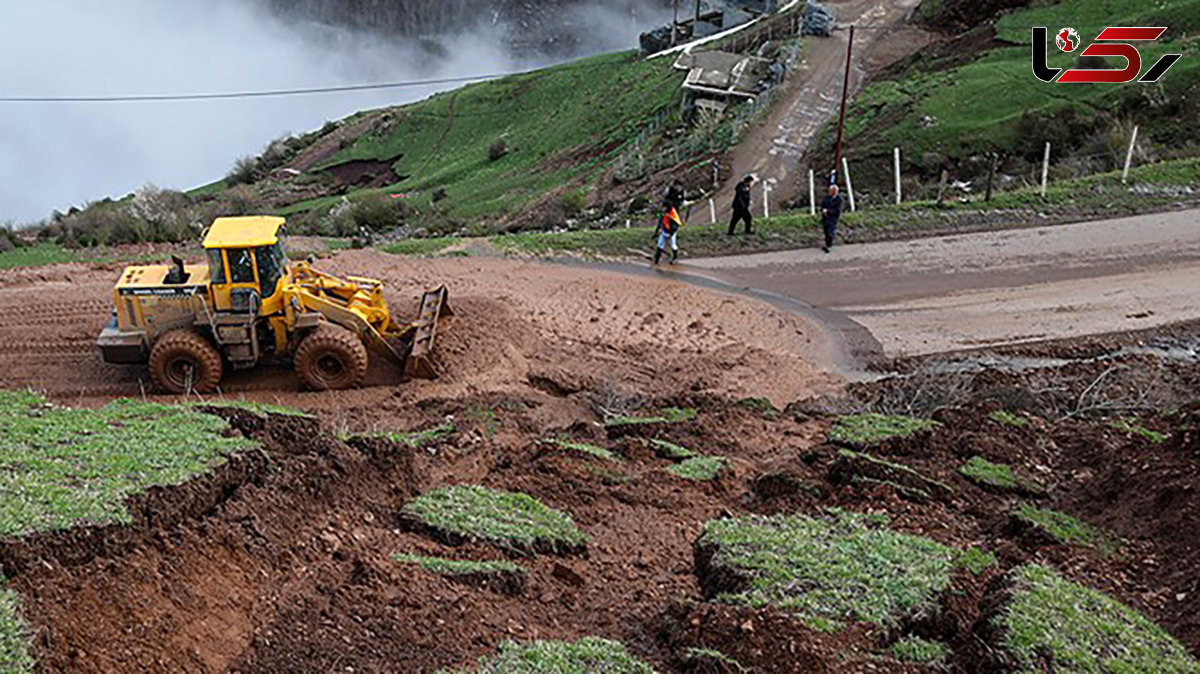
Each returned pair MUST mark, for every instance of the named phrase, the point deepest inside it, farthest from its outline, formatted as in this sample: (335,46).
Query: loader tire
(183,361)
(331,359)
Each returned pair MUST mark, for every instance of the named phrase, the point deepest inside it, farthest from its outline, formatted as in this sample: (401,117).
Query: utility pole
(842,121)
(675,25)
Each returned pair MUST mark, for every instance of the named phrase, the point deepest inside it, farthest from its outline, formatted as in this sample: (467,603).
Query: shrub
(378,213)
(575,201)
(244,171)
(498,150)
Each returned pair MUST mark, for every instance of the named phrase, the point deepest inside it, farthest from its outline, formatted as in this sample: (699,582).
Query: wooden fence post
(812,192)
(1045,169)
(991,176)
(849,185)
(1129,156)
(899,195)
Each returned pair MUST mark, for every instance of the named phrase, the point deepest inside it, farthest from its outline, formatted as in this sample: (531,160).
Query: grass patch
(586,448)
(1066,529)
(668,415)
(922,651)
(15,657)
(1006,418)
(62,468)
(453,567)
(701,468)
(712,658)
(831,570)
(1053,623)
(761,406)
(414,439)
(975,560)
(672,451)
(512,520)
(998,475)
(873,429)
(1133,427)
(590,655)
(857,467)
(259,409)
(420,247)
(36,256)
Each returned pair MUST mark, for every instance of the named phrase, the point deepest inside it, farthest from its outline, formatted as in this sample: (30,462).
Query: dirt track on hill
(812,96)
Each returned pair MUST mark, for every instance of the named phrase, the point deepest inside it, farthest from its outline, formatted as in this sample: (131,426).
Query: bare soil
(280,561)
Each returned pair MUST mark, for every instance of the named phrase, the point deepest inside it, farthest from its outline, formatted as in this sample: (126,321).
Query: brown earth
(515,321)
(280,561)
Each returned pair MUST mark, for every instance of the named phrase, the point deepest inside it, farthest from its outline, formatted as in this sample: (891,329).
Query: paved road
(968,291)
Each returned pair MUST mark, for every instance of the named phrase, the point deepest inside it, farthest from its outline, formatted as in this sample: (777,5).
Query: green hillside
(560,126)
(976,94)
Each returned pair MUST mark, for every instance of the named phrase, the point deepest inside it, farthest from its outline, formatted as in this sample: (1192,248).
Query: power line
(274,93)
(247,94)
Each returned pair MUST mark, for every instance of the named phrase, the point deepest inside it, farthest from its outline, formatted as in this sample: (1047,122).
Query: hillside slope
(974,94)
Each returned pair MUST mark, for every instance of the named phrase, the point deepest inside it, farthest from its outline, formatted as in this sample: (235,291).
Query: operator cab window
(216,266)
(241,265)
(271,263)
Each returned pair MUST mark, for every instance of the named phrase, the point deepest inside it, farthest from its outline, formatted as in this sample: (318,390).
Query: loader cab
(247,264)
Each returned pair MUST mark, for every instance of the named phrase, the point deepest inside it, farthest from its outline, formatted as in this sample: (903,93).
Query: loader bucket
(434,305)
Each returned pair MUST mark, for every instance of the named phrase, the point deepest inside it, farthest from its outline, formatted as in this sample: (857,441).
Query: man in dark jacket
(741,206)
(831,211)
(673,196)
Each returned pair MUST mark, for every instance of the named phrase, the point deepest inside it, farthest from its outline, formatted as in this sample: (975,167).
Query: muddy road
(975,290)
(515,321)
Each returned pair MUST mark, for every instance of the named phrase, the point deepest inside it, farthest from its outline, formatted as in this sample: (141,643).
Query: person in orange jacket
(668,231)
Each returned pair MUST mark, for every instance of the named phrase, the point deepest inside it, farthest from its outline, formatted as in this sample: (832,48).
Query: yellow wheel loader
(250,304)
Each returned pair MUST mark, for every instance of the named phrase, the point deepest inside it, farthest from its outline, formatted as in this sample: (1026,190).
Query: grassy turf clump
(586,656)
(1006,418)
(975,560)
(998,475)
(415,439)
(1066,529)
(827,571)
(668,415)
(670,450)
(61,468)
(704,658)
(699,468)
(260,409)
(761,406)
(512,520)
(923,651)
(1054,624)
(1132,426)
(454,567)
(586,448)
(872,429)
(14,635)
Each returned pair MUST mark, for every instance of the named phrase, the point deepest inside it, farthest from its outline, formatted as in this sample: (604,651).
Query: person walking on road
(741,206)
(673,196)
(668,232)
(831,211)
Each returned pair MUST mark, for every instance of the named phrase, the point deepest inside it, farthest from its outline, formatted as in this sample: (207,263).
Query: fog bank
(53,156)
